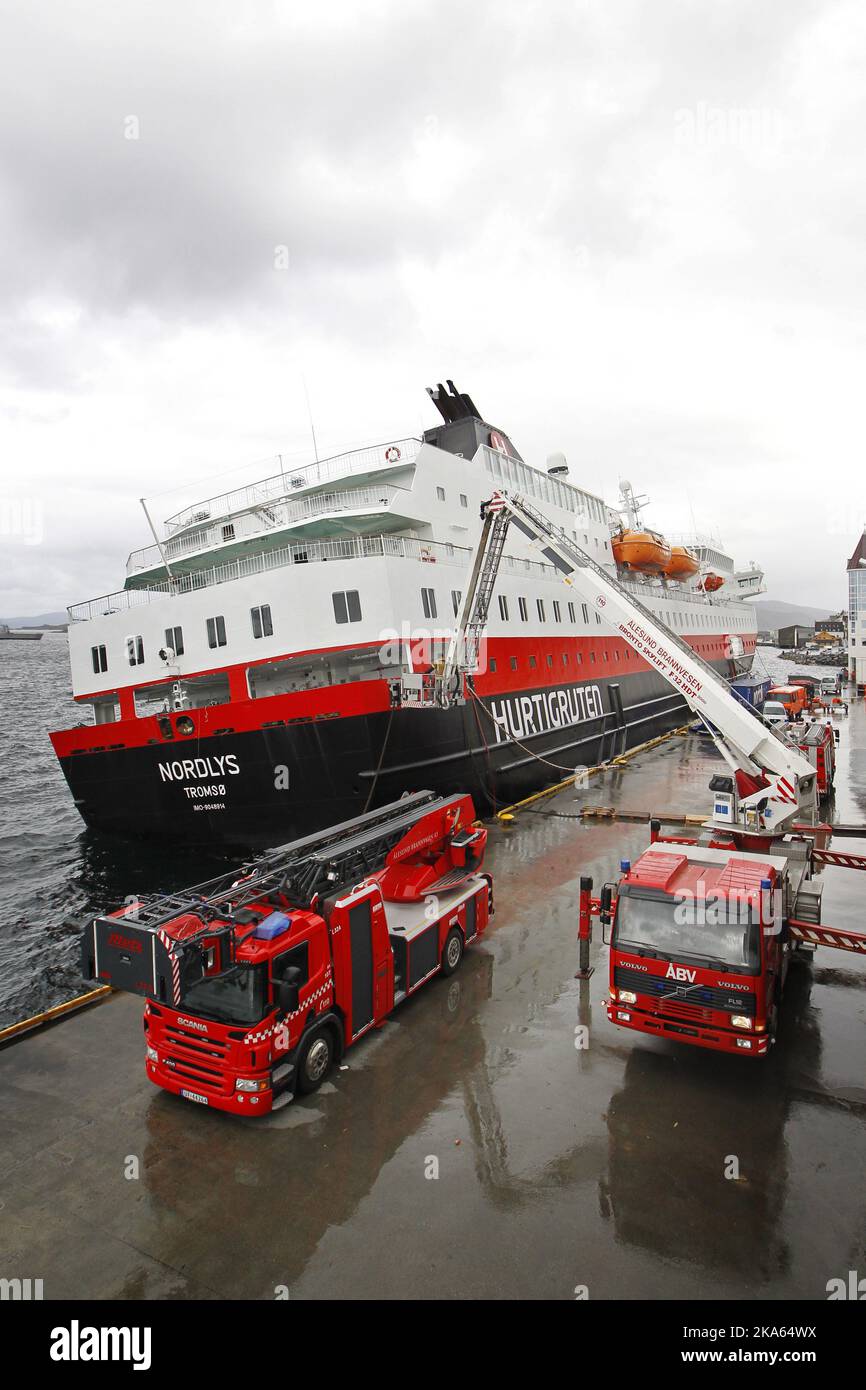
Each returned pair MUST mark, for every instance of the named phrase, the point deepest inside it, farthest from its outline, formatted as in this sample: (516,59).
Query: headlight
(246,1083)
(628,996)
(741,1021)
(151,1053)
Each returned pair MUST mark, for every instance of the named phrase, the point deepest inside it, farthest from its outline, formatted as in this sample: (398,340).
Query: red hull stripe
(521,663)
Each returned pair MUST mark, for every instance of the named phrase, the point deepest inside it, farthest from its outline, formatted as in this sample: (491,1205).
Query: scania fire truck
(703,929)
(257,981)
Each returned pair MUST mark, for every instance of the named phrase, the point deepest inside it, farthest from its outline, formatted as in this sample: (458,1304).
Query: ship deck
(558,1166)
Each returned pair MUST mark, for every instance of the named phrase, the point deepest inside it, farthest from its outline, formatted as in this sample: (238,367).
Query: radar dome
(557,465)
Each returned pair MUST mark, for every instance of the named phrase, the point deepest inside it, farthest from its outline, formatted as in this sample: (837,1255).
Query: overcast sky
(632,231)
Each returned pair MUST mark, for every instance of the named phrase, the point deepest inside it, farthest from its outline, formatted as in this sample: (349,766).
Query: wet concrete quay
(558,1167)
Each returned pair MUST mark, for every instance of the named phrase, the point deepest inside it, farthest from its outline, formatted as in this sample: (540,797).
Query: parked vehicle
(775,712)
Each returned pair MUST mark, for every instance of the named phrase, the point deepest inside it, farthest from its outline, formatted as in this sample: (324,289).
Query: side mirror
(287,996)
(605,915)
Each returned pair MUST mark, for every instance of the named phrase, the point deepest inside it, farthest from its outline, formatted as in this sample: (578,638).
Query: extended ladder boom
(748,744)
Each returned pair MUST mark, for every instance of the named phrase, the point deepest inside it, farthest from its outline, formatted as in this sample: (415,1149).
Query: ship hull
(262,786)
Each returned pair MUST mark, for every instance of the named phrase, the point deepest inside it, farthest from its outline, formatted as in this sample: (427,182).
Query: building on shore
(832,629)
(857,613)
(797,635)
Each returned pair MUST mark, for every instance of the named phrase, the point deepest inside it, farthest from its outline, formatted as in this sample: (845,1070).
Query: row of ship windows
(440,497)
(260,620)
(564,500)
(347,609)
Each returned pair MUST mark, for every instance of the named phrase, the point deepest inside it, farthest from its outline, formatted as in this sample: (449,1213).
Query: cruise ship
(240,687)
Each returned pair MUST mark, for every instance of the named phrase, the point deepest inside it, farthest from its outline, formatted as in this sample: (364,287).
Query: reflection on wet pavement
(472,1147)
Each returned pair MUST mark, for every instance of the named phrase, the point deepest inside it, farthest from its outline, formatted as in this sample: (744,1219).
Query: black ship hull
(264,786)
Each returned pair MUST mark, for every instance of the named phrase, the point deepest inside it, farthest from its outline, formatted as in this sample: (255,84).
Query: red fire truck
(257,981)
(703,929)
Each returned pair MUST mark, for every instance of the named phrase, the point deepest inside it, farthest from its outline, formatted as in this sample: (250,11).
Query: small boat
(7,635)
(682,564)
(710,583)
(641,550)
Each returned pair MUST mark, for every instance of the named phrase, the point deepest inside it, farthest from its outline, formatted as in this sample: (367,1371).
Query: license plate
(193,1095)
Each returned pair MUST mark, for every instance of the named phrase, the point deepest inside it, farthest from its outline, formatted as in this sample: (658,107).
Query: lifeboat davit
(710,583)
(682,564)
(641,550)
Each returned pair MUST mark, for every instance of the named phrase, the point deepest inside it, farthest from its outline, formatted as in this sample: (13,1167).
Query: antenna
(156,538)
(310,413)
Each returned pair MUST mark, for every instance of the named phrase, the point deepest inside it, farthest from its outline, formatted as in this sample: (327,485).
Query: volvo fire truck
(703,929)
(258,980)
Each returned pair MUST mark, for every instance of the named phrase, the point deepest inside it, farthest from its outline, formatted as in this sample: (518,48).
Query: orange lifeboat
(710,583)
(641,550)
(682,564)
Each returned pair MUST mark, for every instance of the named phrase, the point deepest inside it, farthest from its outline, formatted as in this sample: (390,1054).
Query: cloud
(634,232)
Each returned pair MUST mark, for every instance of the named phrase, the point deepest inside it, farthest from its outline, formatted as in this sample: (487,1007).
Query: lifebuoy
(392,453)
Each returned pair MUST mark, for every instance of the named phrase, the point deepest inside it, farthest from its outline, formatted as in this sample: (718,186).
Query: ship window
(513,661)
(174,639)
(549,659)
(539,602)
(455,600)
(261,621)
(464,500)
(584,612)
(571,613)
(592,658)
(503,608)
(428,601)
(135,650)
(229,531)
(440,493)
(532,663)
(216,632)
(557,611)
(347,606)
(565,658)
(99,658)
(492,664)
(524,611)
(579,656)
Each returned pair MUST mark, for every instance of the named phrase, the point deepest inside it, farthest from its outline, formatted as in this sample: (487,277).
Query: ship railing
(279,515)
(307,552)
(289,480)
(301,552)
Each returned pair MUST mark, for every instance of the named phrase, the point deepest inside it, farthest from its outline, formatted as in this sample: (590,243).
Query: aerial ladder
(303,872)
(759,849)
(770,785)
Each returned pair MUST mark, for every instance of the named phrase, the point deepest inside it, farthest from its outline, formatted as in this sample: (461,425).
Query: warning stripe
(175,966)
(828,936)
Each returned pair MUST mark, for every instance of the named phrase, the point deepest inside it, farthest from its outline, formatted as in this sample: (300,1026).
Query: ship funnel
(557,465)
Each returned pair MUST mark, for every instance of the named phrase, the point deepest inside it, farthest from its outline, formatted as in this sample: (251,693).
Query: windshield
(679,929)
(237,996)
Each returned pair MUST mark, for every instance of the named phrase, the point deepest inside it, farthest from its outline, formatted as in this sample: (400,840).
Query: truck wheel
(452,951)
(314,1063)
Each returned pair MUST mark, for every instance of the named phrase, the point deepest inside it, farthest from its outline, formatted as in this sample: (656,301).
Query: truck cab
(700,948)
(794,698)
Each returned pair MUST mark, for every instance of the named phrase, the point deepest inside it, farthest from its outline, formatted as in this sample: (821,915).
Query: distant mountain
(773,615)
(40,620)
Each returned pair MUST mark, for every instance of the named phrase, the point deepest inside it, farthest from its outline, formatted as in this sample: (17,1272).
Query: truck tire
(314,1061)
(452,951)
